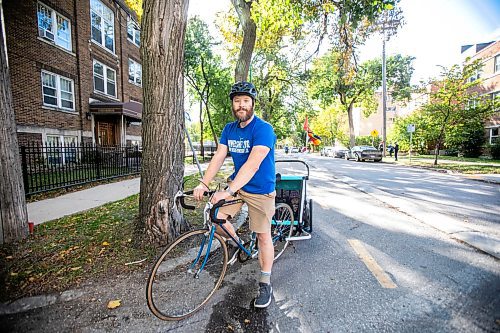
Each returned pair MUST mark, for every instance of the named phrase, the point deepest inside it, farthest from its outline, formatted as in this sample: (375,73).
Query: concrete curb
(34,302)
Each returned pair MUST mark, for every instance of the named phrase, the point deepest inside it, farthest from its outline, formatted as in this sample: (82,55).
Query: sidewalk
(71,203)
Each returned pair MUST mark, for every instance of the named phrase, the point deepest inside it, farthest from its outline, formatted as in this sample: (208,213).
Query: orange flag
(306,125)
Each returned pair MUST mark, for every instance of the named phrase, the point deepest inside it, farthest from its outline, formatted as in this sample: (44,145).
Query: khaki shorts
(260,209)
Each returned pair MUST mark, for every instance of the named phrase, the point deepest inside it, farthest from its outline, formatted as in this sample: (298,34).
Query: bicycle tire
(281,228)
(173,292)
(307,216)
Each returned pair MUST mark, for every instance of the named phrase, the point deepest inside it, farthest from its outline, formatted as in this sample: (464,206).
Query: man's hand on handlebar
(220,195)
(199,191)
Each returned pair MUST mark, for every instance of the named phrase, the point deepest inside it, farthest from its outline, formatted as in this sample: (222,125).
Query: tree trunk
(202,147)
(352,138)
(440,138)
(207,100)
(243,7)
(13,213)
(162,51)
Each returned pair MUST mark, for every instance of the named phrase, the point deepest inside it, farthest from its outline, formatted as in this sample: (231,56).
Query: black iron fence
(203,156)
(49,167)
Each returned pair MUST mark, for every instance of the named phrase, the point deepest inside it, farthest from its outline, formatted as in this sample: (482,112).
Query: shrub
(495,151)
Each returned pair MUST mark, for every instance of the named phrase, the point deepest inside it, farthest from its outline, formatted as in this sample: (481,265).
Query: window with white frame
(58,91)
(54,27)
(133,32)
(134,72)
(61,149)
(472,103)
(495,96)
(476,76)
(103,25)
(497,63)
(494,135)
(104,79)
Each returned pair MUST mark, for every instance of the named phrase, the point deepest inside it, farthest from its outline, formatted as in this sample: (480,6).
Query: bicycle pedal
(232,261)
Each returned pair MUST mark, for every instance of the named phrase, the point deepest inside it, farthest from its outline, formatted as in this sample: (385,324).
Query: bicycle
(192,268)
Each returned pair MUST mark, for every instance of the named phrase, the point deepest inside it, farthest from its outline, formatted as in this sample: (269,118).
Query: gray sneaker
(264,297)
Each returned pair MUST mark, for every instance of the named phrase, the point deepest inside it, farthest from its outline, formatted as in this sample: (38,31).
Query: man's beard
(243,117)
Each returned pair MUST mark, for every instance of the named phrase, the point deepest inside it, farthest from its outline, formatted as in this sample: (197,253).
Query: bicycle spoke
(281,228)
(179,283)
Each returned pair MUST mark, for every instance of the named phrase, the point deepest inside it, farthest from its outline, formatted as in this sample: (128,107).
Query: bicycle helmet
(243,88)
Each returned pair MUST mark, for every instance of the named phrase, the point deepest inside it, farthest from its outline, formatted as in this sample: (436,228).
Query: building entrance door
(106,133)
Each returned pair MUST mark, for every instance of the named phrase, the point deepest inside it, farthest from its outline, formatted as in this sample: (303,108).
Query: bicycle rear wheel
(281,228)
(176,288)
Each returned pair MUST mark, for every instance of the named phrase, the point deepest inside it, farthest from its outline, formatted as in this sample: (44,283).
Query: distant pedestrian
(396,149)
(381,147)
(391,150)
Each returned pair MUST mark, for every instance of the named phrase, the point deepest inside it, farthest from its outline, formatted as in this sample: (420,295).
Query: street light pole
(384,95)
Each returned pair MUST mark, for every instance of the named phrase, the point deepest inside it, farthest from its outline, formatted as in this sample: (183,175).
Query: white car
(294,150)
(326,151)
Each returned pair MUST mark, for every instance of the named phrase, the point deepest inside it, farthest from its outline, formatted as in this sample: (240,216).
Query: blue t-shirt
(240,141)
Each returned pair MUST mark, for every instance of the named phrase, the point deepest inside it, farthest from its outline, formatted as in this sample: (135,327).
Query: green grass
(458,159)
(94,244)
(466,166)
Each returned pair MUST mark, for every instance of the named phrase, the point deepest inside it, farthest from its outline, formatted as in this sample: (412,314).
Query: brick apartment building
(75,71)
(490,84)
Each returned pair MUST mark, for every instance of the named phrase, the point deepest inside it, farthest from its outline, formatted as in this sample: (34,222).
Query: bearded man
(250,141)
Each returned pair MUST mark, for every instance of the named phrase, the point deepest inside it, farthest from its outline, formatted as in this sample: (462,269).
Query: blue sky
(434,30)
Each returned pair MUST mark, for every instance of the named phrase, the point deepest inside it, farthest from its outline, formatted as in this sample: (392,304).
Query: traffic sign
(374,133)
(410,128)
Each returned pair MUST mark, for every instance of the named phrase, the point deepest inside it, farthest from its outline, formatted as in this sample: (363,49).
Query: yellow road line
(377,271)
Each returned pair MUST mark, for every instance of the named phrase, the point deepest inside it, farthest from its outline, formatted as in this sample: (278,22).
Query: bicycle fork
(207,253)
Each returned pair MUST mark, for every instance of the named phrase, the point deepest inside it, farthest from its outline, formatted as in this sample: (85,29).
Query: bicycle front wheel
(181,281)
(281,228)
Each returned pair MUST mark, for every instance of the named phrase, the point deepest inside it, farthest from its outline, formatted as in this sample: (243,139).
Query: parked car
(339,151)
(326,151)
(362,153)
(294,150)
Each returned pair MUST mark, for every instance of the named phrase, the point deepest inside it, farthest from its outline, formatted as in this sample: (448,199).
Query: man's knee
(265,238)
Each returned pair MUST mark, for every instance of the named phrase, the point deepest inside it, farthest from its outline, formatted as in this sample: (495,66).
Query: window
(134,72)
(104,79)
(103,25)
(57,91)
(61,149)
(475,77)
(133,32)
(54,27)
(494,135)
(472,103)
(497,63)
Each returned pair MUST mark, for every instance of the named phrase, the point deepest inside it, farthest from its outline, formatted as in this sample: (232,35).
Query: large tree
(456,106)
(454,116)
(331,81)
(198,67)
(13,213)
(162,52)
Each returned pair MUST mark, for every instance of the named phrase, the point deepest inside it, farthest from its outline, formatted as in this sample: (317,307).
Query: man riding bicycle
(250,141)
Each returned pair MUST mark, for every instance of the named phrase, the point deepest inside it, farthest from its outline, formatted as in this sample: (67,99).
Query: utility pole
(390,22)
(384,94)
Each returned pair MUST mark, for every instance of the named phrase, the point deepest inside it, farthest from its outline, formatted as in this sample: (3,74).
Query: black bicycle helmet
(243,88)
